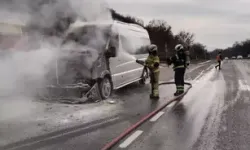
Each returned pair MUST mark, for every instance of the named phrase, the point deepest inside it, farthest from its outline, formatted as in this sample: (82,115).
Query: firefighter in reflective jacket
(153,63)
(180,62)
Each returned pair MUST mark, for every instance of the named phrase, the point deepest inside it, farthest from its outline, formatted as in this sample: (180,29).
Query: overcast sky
(216,23)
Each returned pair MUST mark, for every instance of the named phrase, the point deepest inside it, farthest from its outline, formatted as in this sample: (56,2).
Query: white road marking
(201,74)
(199,66)
(157,116)
(204,62)
(130,139)
(233,101)
(64,134)
(171,105)
(243,85)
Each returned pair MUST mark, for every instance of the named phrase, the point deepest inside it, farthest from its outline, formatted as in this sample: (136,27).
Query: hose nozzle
(140,62)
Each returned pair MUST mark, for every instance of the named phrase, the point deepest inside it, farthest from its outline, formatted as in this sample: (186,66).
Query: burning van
(97,58)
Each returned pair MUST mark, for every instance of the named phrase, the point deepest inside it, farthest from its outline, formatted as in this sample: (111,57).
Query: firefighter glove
(169,61)
(156,65)
(140,62)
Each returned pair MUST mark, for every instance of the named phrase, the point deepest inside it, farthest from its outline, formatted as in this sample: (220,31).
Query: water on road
(213,115)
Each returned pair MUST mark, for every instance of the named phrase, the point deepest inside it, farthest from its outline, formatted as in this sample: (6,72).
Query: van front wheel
(105,87)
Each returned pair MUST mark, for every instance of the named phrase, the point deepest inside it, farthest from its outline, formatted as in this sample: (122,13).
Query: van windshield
(92,36)
(134,45)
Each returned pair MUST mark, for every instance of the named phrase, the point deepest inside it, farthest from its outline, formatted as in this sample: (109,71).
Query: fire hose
(147,117)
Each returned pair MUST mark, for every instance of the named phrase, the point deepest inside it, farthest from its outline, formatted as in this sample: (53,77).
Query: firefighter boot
(180,90)
(178,93)
(154,97)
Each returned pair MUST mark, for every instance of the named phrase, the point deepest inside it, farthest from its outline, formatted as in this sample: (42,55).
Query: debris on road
(111,101)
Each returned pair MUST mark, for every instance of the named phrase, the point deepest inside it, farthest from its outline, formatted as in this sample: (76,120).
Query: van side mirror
(111,52)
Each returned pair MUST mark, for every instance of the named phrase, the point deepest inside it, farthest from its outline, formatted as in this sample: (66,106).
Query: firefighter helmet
(152,48)
(179,47)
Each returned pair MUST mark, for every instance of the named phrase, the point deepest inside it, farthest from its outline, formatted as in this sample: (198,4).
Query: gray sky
(216,23)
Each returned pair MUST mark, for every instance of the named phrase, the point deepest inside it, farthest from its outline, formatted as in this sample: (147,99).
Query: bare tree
(237,48)
(161,34)
(185,38)
(199,51)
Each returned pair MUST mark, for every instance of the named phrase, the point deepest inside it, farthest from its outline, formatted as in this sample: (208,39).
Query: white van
(105,56)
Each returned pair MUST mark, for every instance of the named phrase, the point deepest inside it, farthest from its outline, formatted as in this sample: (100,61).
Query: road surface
(213,115)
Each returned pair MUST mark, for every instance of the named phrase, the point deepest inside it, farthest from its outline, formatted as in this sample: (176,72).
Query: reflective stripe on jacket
(182,66)
(179,61)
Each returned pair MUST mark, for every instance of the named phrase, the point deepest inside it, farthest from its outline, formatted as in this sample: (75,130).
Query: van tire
(105,87)
(145,76)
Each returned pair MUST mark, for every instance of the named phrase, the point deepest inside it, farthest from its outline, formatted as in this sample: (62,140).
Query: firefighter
(180,62)
(219,59)
(153,63)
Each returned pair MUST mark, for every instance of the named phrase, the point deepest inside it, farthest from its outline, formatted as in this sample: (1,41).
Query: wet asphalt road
(213,115)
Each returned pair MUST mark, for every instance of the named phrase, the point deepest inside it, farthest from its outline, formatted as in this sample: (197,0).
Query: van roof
(79,23)
(126,28)
(131,25)
(117,24)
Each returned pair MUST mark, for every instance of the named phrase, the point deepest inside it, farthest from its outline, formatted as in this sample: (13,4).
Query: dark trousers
(219,65)
(179,79)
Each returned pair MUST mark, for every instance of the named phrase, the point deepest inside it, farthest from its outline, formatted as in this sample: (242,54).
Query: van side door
(134,47)
(113,62)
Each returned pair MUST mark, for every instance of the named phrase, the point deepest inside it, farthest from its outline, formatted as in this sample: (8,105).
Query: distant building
(9,34)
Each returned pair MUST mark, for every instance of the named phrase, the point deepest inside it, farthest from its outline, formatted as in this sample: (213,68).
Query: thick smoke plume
(25,66)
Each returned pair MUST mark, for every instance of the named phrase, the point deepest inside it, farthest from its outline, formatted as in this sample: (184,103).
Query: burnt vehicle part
(114,47)
(81,73)
(70,81)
